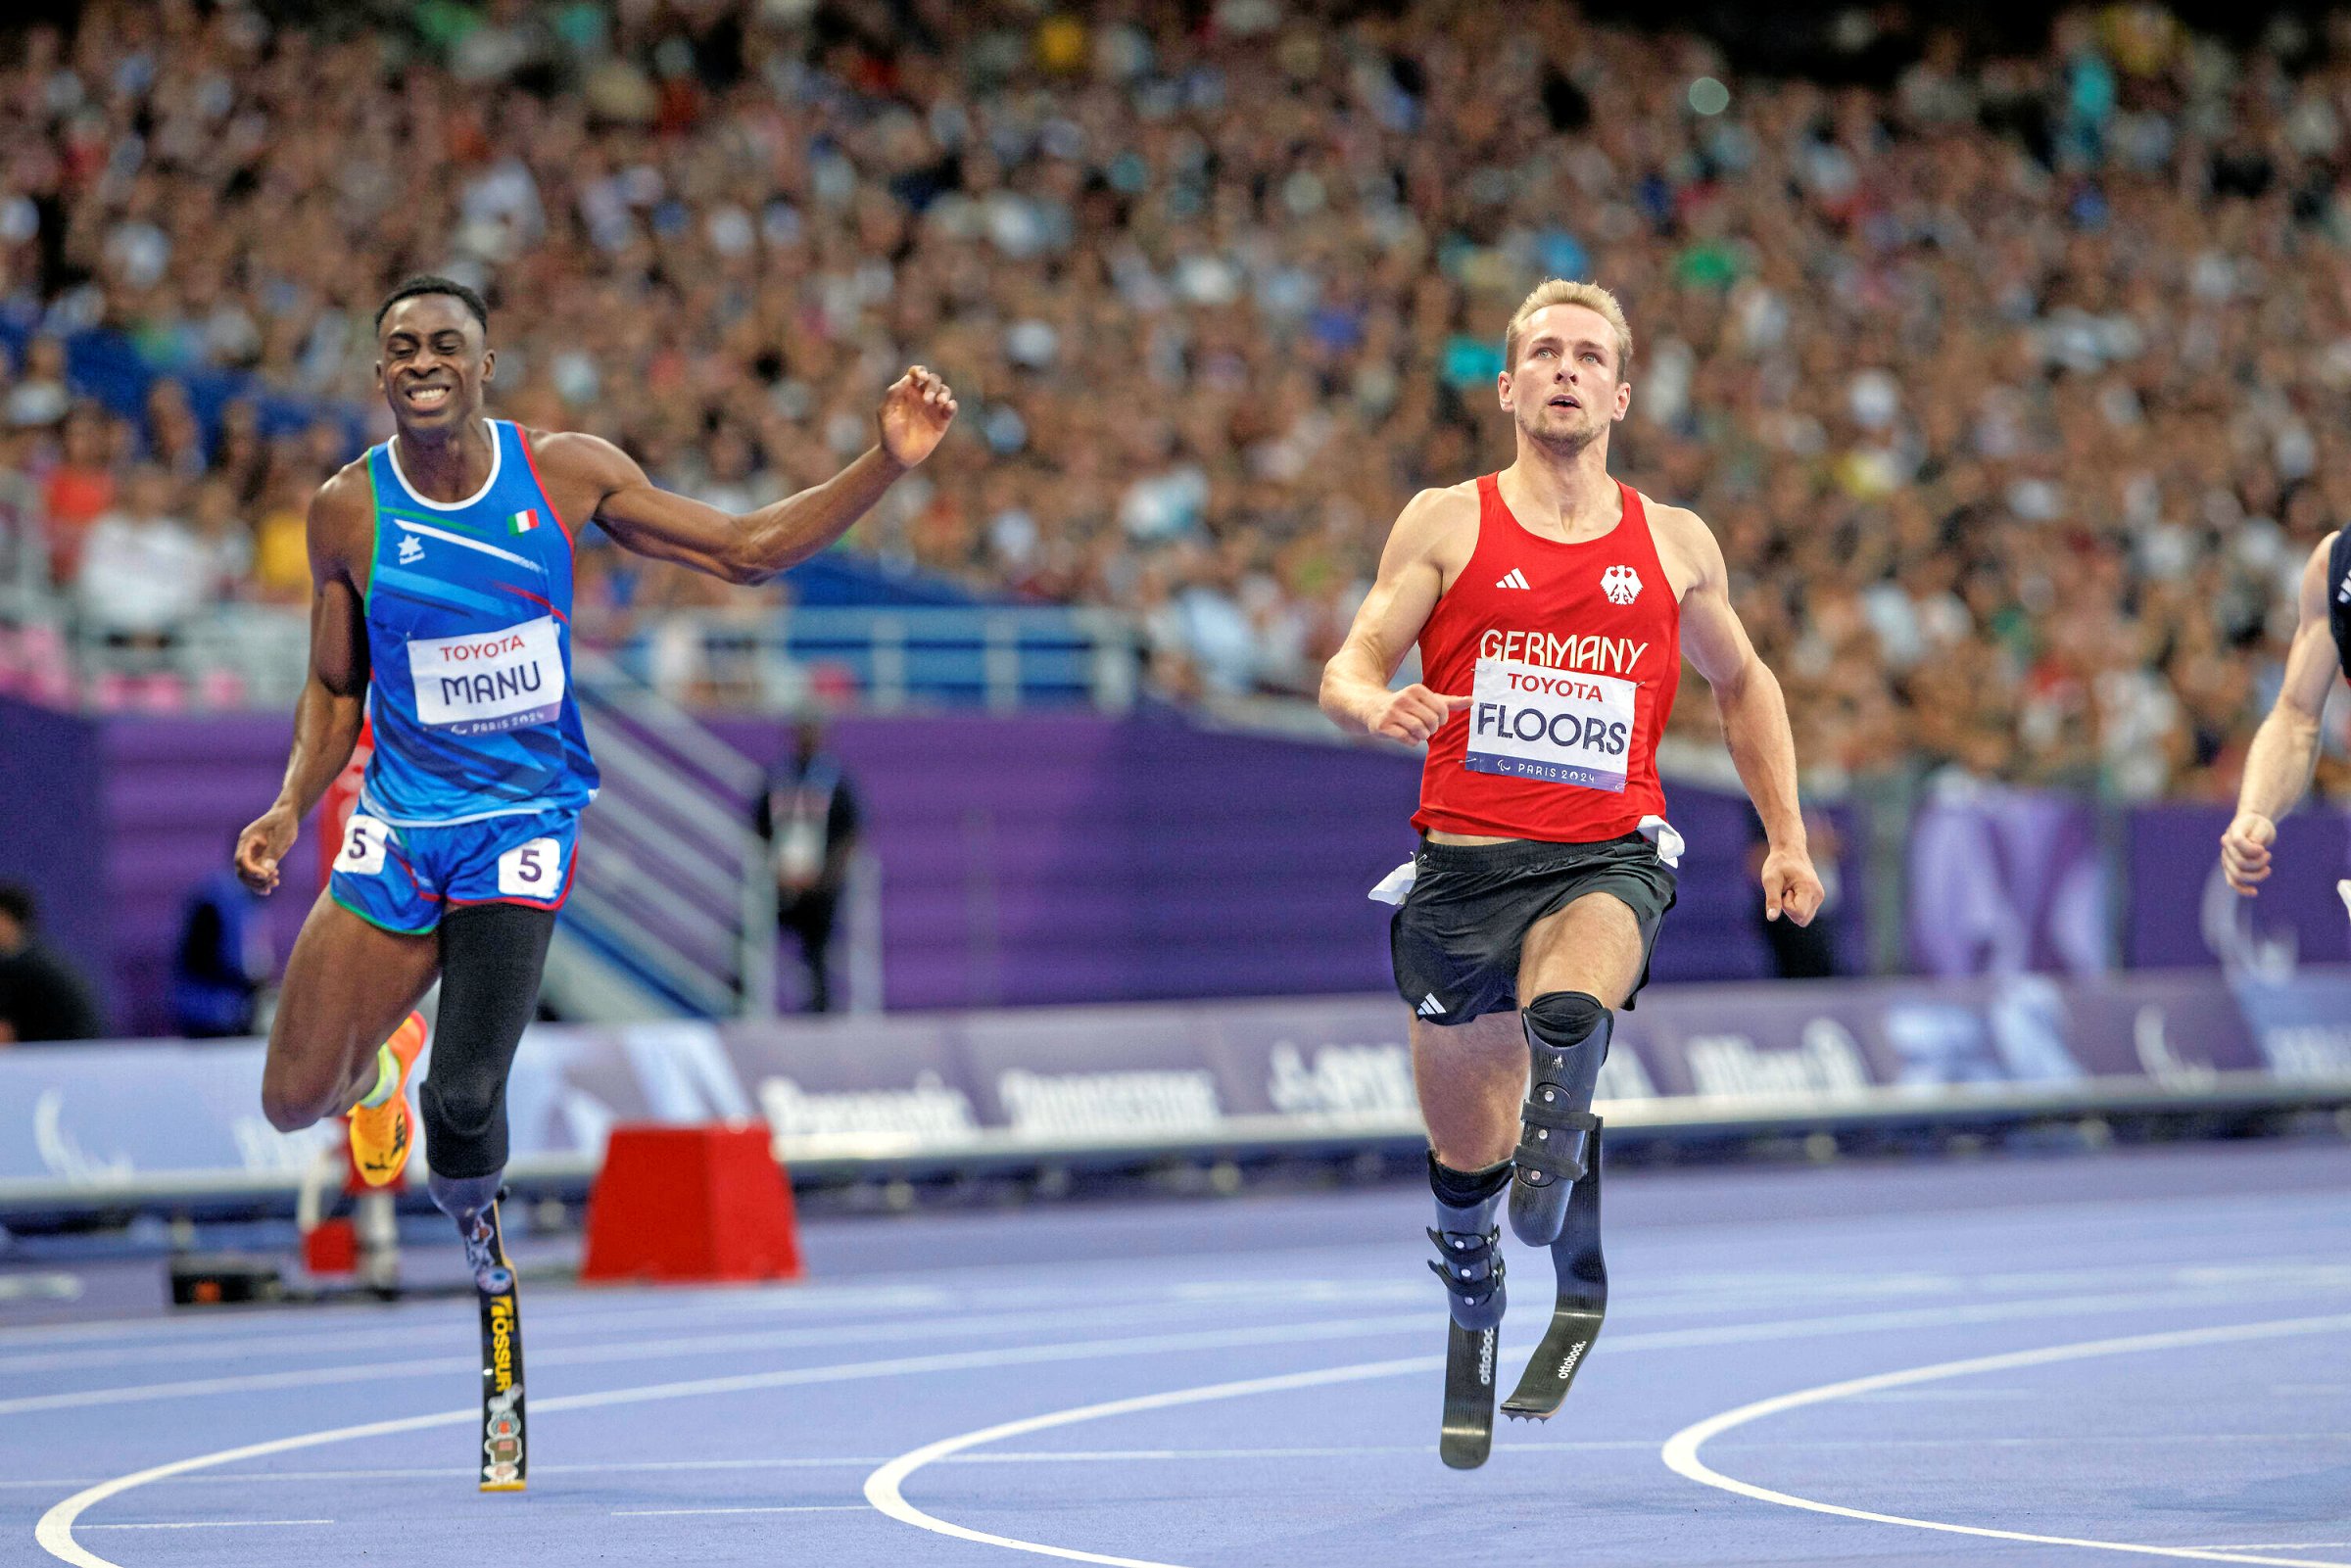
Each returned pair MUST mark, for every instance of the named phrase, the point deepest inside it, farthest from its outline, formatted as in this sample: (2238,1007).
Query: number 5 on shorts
(531,870)
(362,852)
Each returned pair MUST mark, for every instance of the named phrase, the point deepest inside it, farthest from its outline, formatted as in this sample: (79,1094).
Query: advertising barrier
(89,1126)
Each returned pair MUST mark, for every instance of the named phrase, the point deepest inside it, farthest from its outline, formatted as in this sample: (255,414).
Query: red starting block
(695,1204)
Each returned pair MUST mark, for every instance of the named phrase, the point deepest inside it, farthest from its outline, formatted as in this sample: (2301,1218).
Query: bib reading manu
(488,682)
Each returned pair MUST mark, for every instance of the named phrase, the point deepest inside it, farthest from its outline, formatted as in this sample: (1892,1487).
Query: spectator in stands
(144,574)
(224,960)
(41,997)
(80,487)
(1938,359)
(39,396)
(281,544)
(809,817)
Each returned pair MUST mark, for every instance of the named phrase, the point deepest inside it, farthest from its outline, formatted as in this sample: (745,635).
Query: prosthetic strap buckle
(1471,1265)
(1540,1155)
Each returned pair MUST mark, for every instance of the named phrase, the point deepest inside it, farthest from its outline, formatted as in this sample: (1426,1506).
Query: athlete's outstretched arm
(2285,748)
(1754,723)
(640,517)
(1354,682)
(334,696)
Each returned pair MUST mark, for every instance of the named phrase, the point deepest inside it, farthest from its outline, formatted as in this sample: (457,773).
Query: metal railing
(673,897)
(895,660)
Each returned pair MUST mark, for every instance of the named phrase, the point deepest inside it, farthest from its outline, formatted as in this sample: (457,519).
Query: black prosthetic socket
(491,959)
(1567,1039)
(1468,1243)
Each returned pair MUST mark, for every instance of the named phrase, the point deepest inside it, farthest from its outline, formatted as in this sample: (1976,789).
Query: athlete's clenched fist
(1414,713)
(2245,851)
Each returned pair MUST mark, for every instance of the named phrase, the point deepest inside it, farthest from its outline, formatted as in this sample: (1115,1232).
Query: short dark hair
(18,904)
(432,283)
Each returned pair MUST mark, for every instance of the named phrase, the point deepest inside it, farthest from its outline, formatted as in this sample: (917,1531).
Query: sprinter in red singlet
(1552,606)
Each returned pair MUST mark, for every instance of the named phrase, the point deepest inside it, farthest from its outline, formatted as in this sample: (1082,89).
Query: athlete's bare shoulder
(1437,525)
(579,470)
(342,516)
(1685,544)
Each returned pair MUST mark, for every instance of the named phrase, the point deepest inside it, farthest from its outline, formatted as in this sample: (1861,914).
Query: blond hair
(1562,291)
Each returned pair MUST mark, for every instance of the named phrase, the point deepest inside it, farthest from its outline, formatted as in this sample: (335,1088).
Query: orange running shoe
(380,1135)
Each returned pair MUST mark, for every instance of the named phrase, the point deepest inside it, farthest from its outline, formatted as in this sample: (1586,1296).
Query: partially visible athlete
(441,568)
(2285,748)
(1552,606)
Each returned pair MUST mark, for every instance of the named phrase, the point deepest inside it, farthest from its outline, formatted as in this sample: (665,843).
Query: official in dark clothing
(41,997)
(225,958)
(808,815)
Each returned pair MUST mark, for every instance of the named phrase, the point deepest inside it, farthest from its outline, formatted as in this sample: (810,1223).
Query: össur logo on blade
(489,681)
(1562,726)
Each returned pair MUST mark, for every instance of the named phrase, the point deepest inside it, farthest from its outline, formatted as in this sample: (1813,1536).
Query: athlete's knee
(294,1097)
(288,1112)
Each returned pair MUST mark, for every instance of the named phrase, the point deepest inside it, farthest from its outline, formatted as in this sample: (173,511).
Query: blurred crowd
(2017,389)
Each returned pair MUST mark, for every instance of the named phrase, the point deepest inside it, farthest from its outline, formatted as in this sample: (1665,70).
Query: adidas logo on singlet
(1429,1006)
(1514,579)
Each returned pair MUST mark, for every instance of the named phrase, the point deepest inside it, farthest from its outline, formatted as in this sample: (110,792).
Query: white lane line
(680,1514)
(1681,1451)
(54,1532)
(637,1349)
(214,1524)
(1735,1333)
(885,1488)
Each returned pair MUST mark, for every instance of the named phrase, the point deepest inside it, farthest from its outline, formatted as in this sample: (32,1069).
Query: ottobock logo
(1621,584)
(1513,578)
(1575,1353)
(410,552)
(1485,1357)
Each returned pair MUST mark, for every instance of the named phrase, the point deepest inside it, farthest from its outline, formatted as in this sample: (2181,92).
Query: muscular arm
(2285,748)
(334,694)
(1412,575)
(754,548)
(1754,721)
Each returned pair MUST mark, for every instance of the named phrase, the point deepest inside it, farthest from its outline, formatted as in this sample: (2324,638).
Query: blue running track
(2129,1356)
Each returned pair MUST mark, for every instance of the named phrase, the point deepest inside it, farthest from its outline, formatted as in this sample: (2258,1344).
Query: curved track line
(1732,1333)
(884,1488)
(54,1532)
(1680,1453)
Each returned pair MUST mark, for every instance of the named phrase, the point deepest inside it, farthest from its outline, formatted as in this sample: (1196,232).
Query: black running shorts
(1457,935)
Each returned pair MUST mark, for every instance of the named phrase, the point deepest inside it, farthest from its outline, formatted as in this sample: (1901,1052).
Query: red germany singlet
(1571,654)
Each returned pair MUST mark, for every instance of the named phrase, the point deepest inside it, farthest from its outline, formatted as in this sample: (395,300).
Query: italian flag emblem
(523,522)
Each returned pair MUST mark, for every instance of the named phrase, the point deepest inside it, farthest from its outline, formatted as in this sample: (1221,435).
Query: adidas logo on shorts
(1429,1006)
(1513,579)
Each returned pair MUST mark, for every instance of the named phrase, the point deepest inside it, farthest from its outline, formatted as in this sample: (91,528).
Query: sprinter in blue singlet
(441,608)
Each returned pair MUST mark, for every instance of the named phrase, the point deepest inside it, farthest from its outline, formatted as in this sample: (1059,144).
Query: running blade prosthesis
(504,1460)
(1583,1300)
(1468,1395)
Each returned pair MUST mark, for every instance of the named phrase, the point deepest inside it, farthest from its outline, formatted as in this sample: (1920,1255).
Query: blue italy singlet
(470,647)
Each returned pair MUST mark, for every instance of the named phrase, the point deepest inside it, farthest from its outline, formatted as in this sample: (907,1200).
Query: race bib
(489,681)
(1562,726)
(362,851)
(532,869)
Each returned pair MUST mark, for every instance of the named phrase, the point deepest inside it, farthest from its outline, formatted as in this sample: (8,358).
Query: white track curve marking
(54,1532)
(1681,1449)
(884,1488)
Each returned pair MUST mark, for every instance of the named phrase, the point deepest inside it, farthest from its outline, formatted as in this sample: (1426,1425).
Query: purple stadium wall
(1025,860)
